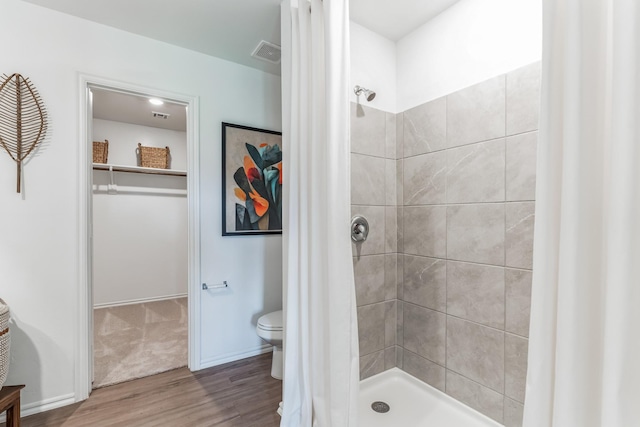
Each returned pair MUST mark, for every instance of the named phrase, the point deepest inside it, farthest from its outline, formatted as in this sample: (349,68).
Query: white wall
(140,233)
(468,43)
(373,65)
(124,138)
(39,271)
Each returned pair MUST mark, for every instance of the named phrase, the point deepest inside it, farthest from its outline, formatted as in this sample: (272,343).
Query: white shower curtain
(321,339)
(584,350)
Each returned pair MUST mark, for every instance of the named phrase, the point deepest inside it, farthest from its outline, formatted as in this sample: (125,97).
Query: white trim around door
(84,352)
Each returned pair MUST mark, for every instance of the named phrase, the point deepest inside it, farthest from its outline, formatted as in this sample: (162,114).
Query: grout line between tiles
(467,203)
(369,155)
(504,247)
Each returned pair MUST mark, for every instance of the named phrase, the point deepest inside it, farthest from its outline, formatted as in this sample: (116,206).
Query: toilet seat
(271,321)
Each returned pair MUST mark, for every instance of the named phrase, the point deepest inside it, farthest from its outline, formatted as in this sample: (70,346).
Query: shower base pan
(412,403)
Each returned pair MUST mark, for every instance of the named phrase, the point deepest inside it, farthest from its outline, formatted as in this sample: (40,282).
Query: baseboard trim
(43,405)
(138,301)
(232,357)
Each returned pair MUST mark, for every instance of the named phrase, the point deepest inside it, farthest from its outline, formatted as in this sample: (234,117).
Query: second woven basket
(153,157)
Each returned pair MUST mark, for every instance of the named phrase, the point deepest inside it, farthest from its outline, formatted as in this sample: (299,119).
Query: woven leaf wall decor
(23,119)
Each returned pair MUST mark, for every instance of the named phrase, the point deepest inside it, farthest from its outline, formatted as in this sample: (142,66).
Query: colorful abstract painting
(251,181)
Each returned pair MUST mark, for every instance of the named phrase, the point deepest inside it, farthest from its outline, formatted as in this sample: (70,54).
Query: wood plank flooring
(241,394)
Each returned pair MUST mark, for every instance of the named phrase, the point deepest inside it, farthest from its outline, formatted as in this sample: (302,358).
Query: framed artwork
(251,181)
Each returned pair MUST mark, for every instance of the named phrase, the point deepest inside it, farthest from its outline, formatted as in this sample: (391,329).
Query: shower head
(368,94)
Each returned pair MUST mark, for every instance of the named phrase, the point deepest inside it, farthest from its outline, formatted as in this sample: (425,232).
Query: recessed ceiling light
(156,101)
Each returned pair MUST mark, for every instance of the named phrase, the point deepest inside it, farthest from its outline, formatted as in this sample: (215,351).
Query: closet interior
(139,236)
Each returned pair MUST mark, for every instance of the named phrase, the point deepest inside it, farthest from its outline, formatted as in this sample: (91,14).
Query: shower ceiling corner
(396,19)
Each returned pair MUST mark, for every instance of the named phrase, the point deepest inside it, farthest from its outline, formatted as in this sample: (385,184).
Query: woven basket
(5,342)
(100,151)
(153,157)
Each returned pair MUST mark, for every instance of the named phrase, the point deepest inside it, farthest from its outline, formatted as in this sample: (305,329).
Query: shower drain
(380,407)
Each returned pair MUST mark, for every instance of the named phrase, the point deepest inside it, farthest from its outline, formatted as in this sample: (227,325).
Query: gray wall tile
(368,130)
(475,173)
(425,370)
(476,233)
(425,282)
(523,99)
(399,357)
(519,234)
(424,230)
(400,229)
(521,166)
(476,113)
(424,332)
(518,301)
(369,274)
(400,323)
(390,323)
(391,276)
(513,413)
(390,183)
(400,135)
(425,128)
(371,328)
(482,399)
(425,179)
(476,292)
(400,276)
(367,180)
(372,364)
(375,243)
(390,355)
(475,351)
(515,366)
(391,229)
(399,181)
(390,137)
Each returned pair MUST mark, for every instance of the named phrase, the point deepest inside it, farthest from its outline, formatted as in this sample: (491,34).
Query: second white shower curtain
(584,348)
(321,370)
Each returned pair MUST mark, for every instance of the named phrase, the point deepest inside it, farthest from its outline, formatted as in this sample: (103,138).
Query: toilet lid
(271,321)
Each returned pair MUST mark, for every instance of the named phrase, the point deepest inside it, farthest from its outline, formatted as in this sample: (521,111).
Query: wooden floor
(236,394)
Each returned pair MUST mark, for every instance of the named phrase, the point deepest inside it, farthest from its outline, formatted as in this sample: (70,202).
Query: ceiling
(394,19)
(231,29)
(137,110)
(228,29)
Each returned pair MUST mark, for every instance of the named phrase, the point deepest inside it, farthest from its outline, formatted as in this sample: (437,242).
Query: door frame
(84,319)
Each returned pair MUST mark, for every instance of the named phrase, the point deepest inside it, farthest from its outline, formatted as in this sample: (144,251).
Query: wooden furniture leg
(10,402)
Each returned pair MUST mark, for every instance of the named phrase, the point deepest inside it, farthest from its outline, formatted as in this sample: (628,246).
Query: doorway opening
(139,236)
(140,217)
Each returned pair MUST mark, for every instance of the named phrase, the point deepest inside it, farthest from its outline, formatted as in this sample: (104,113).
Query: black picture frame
(261,209)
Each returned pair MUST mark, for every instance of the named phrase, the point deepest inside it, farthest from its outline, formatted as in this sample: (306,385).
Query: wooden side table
(10,402)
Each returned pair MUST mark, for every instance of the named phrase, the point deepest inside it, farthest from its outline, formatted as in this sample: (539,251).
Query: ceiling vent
(158,115)
(267,52)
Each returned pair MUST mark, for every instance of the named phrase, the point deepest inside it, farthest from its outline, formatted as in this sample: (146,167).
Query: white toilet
(270,329)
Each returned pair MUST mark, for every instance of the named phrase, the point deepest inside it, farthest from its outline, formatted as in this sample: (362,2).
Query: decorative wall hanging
(23,119)
(251,181)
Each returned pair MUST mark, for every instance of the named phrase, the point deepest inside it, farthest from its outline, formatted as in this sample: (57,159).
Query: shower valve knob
(359,229)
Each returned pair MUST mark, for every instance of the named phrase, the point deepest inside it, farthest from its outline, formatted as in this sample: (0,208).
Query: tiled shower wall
(464,192)
(374,195)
